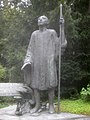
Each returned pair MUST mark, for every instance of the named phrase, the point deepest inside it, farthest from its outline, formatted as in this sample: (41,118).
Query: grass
(6,101)
(75,106)
(2,105)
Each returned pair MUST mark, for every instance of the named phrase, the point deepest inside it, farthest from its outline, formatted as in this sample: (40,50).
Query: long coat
(41,54)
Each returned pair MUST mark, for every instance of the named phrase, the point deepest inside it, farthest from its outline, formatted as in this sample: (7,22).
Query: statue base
(8,113)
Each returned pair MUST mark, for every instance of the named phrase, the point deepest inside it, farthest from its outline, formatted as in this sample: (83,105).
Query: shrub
(85,93)
(70,92)
(7,99)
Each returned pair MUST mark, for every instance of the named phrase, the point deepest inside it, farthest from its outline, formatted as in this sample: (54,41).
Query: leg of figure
(51,100)
(37,100)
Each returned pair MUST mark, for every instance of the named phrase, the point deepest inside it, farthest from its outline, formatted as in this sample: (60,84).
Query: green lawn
(2,105)
(75,106)
(6,101)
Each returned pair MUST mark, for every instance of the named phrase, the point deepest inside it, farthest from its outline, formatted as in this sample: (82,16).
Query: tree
(84,48)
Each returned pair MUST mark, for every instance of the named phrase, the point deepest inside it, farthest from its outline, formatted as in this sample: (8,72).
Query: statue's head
(43,20)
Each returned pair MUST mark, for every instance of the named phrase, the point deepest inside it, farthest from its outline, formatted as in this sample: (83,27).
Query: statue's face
(42,20)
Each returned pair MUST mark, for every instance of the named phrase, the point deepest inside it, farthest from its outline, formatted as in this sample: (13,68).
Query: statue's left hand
(62,20)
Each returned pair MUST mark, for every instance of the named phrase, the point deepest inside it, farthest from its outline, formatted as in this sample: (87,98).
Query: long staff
(60,58)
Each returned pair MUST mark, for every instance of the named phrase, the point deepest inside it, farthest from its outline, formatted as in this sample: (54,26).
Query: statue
(40,62)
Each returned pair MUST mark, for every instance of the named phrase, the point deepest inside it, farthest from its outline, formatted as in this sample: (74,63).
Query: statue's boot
(51,101)
(37,100)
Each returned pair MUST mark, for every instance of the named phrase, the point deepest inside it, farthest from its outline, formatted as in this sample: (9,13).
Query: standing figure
(40,61)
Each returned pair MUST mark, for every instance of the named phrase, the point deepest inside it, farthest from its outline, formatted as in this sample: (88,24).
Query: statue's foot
(51,109)
(34,110)
(18,112)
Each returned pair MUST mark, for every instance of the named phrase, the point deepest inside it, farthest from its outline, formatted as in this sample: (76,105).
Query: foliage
(75,106)
(76,62)
(83,56)
(15,38)
(2,73)
(70,68)
(85,93)
(2,105)
(6,101)
(69,93)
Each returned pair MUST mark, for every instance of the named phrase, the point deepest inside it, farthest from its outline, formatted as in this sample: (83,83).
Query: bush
(7,99)
(70,92)
(85,93)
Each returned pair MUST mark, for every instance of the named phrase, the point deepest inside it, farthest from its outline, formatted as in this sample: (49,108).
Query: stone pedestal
(8,113)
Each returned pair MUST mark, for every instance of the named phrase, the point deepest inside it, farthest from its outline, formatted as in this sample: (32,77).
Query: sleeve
(56,39)
(63,46)
(29,55)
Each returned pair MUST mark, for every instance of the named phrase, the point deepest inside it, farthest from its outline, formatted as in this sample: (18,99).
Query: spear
(60,58)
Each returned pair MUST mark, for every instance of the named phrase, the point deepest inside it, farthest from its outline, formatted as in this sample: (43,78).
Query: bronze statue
(40,62)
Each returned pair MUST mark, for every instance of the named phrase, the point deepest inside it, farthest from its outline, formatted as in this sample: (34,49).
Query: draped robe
(41,59)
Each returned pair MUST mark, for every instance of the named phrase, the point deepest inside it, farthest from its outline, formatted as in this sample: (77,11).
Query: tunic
(41,53)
